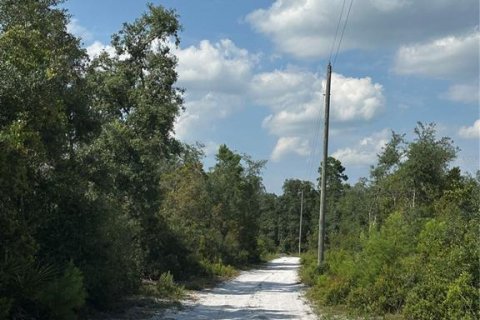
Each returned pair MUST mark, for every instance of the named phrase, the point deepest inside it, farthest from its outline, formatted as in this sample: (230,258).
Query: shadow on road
(281,266)
(250,287)
(231,313)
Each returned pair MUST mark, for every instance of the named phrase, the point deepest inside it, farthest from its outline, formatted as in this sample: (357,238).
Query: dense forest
(97,195)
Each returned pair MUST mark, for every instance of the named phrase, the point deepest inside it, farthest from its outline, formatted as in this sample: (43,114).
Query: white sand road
(271,292)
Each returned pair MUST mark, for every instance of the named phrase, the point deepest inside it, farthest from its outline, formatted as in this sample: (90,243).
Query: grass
(164,288)
(341,312)
(214,273)
(269,256)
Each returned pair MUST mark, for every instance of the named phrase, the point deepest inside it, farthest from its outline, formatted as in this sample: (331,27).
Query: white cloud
(211,148)
(448,57)
(472,132)
(201,112)
(78,30)
(96,48)
(220,79)
(220,67)
(365,151)
(286,145)
(305,28)
(355,98)
(283,88)
(464,93)
(296,99)
(216,78)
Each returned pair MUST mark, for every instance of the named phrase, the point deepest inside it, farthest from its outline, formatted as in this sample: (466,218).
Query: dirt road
(272,292)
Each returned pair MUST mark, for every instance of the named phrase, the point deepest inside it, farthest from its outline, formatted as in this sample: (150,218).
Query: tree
(288,214)
(88,143)
(427,163)
(134,92)
(411,229)
(268,223)
(235,190)
(187,210)
(335,185)
(44,118)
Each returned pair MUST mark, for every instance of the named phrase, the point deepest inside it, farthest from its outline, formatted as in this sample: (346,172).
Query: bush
(385,295)
(309,271)
(218,269)
(167,288)
(41,291)
(462,300)
(448,264)
(65,295)
(336,290)
(424,301)
(359,299)
(5,306)
(265,245)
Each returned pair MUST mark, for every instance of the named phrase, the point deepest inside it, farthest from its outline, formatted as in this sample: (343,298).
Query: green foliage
(462,301)
(42,291)
(167,288)
(280,217)
(218,269)
(96,193)
(407,241)
(64,295)
(5,306)
(447,268)
(309,272)
(90,172)
(138,103)
(79,173)
(235,187)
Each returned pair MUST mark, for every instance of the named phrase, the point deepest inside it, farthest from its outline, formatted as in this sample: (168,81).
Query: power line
(323,189)
(311,172)
(343,31)
(336,31)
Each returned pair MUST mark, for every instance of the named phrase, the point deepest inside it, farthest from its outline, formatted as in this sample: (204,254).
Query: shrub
(5,306)
(66,294)
(424,301)
(167,288)
(217,269)
(447,265)
(462,300)
(336,290)
(309,270)
(41,291)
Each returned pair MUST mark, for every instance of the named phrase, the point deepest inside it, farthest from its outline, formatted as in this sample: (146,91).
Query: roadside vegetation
(405,241)
(98,200)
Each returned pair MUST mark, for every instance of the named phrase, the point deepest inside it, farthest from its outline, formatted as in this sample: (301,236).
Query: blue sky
(253,71)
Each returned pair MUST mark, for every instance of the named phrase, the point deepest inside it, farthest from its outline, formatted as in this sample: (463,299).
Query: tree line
(96,193)
(405,240)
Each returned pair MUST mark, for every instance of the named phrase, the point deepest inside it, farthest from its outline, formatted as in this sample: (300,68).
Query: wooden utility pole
(323,188)
(300,233)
